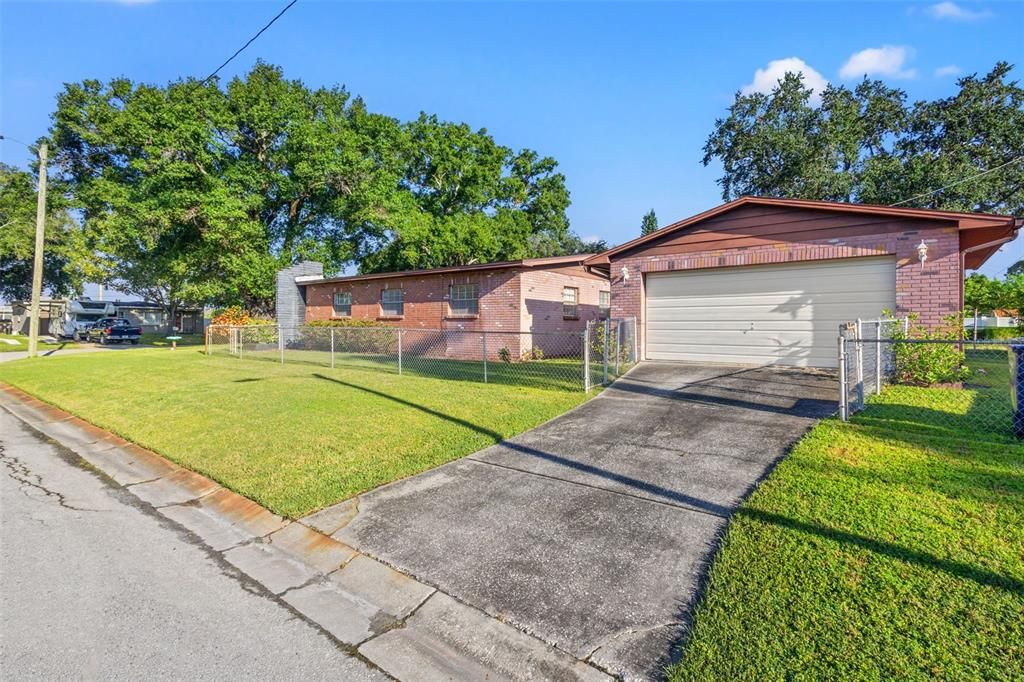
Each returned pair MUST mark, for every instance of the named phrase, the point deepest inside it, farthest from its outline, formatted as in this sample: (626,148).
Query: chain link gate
(951,384)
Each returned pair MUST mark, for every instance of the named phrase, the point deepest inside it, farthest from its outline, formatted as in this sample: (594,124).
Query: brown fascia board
(526,263)
(962,220)
(977,247)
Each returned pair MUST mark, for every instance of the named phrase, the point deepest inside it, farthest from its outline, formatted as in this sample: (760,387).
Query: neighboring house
(539,295)
(998,318)
(5,318)
(153,317)
(51,314)
(769,281)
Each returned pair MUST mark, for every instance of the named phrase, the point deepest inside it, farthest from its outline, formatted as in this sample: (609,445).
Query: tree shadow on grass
(688,603)
(948,421)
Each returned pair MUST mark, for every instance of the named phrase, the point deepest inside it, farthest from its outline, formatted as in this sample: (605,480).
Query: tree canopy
(986,294)
(868,144)
(649,223)
(61,275)
(197,192)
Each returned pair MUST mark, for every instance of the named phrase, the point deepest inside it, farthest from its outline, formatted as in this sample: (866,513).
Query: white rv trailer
(78,315)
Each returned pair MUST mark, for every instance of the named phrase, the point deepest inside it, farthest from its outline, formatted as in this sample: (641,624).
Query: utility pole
(37,266)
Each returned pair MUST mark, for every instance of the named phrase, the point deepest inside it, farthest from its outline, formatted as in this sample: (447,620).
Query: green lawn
(294,437)
(890,547)
(21,343)
(159,340)
(553,373)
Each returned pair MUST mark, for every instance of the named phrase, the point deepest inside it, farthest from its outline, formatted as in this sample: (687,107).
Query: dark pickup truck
(113,330)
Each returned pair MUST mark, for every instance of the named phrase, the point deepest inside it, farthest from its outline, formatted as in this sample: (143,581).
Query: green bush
(350,336)
(597,344)
(505,354)
(343,323)
(927,364)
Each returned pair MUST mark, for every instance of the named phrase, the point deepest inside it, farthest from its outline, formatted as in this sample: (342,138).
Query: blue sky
(622,95)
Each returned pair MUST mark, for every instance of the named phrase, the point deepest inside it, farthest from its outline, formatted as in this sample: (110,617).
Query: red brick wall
(932,292)
(426,300)
(542,308)
(513,300)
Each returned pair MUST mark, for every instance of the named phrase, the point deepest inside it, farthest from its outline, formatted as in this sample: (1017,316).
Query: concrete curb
(406,628)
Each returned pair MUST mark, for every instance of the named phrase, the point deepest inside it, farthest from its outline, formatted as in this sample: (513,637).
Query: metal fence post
(332,347)
(399,352)
(844,409)
(860,363)
(636,341)
(483,339)
(586,357)
(280,341)
(607,338)
(238,342)
(618,345)
(878,357)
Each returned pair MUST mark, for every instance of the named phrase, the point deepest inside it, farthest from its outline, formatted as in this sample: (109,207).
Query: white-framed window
(392,302)
(464,299)
(570,302)
(604,303)
(152,317)
(342,304)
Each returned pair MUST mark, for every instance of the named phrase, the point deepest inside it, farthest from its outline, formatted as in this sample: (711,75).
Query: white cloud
(954,12)
(951,70)
(767,78)
(591,238)
(887,60)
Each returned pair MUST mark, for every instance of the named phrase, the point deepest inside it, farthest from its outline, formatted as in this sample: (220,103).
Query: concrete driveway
(593,531)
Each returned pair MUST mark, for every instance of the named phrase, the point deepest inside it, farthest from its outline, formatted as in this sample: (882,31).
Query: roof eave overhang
(963,221)
(525,264)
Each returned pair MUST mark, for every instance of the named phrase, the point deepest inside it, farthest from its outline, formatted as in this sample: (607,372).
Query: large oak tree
(197,192)
(869,144)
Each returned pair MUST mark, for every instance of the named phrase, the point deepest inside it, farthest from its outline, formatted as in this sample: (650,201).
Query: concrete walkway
(69,348)
(593,532)
(150,620)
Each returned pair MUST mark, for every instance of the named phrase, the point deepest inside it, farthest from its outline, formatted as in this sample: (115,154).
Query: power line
(960,182)
(249,42)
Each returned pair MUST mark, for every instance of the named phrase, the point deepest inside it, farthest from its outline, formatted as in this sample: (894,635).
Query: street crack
(20,473)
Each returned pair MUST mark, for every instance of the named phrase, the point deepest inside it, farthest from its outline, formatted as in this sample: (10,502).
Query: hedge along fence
(346,336)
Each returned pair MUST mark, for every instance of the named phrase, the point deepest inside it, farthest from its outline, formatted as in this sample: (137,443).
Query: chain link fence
(946,386)
(560,360)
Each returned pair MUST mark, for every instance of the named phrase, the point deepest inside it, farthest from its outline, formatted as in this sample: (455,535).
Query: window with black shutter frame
(342,304)
(464,299)
(392,302)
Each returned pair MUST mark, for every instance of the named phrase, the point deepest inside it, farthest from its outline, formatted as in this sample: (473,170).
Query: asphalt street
(94,585)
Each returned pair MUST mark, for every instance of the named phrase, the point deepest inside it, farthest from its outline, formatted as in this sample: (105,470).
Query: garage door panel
(769,298)
(755,339)
(837,281)
(830,312)
(776,314)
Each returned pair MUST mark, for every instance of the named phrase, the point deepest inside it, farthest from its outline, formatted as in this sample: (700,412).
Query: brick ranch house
(769,281)
(532,299)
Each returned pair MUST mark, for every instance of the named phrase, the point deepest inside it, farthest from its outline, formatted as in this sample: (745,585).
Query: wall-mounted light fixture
(625,274)
(922,253)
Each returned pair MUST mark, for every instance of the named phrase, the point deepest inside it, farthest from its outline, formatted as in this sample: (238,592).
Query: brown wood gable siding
(750,226)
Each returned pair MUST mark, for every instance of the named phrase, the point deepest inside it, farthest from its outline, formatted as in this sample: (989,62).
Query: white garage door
(764,314)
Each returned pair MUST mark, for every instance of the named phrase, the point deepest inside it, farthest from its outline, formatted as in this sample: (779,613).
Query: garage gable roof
(963,221)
